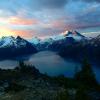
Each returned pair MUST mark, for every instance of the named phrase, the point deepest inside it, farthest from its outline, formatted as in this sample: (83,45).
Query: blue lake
(50,63)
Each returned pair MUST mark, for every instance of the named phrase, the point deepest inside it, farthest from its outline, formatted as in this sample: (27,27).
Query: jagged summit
(18,37)
(18,42)
(68,34)
(75,35)
(15,42)
(34,40)
(7,41)
(15,46)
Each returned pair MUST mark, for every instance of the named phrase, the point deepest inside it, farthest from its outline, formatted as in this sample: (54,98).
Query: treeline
(9,77)
(82,85)
(21,71)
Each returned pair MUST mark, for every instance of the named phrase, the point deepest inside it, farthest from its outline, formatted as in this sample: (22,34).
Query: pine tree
(86,75)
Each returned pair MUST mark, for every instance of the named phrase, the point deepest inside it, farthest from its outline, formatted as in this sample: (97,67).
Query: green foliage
(9,75)
(14,87)
(66,82)
(86,75)
(60,80)
(27,70)
(81,94)
(62,96)
(19,72)
(83,79)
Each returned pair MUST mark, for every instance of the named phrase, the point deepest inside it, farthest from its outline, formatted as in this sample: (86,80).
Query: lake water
(50,63)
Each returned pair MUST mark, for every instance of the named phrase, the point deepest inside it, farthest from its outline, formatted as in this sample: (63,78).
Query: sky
(44,18)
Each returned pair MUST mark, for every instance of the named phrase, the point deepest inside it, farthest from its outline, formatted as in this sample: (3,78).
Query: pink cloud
(22,21)
(63,25)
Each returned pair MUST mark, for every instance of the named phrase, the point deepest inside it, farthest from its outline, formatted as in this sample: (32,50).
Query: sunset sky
(43,18)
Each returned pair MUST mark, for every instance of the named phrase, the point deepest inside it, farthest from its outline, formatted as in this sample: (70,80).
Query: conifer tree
(86,75)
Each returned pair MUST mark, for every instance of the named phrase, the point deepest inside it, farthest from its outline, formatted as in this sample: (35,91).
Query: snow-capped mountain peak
(12,42)
(75,35)
(7,41)
(34,40)
(11,47)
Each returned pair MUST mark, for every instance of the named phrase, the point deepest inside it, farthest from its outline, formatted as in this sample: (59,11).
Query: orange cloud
(57,24)
(22,21)
(10,32)
(24,33)
(5,32)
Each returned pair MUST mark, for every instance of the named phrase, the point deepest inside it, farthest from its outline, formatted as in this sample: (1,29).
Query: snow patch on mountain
(12,42)
(34,40)
(75,35)
(91,34)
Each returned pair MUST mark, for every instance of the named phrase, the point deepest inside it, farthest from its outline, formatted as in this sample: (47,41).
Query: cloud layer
(48,17)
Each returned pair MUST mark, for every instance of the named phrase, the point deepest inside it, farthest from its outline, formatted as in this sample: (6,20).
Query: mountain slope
(11,46)
(54,41)
(34,40)
(69,38)
(89,49)
(75,35)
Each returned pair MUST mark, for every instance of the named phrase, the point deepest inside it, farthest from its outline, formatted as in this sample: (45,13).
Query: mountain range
(68,37)
(11,47)
(71,44)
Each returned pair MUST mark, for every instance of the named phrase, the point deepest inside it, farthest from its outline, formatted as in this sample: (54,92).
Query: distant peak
(10,37)
(18,37)
(68,33)
(74,32)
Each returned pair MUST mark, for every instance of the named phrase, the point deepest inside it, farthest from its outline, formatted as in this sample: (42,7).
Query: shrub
(86,75)
(14,87)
